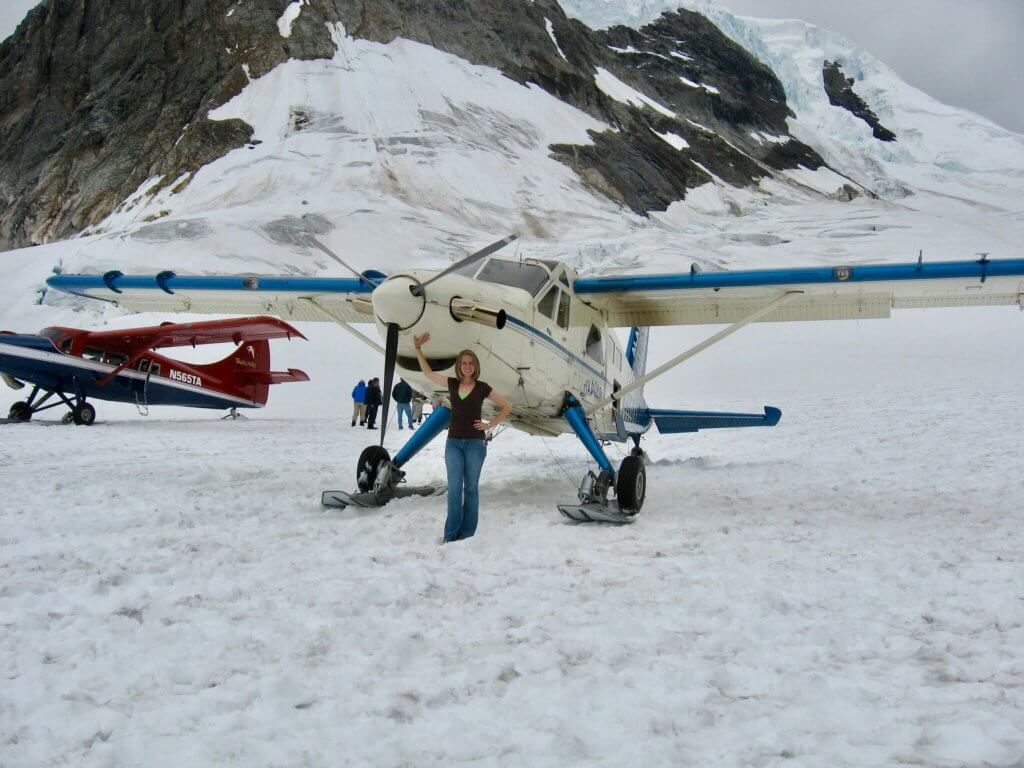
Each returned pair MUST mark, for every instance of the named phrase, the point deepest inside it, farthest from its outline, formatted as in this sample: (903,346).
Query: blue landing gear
(380,478)
(630,483)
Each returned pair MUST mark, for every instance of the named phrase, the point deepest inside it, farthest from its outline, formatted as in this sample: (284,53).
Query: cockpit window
(546,306)
(469,270)
(529,277)
(563,310)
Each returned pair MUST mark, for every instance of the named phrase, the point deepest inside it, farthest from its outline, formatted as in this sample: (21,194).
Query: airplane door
(140,387)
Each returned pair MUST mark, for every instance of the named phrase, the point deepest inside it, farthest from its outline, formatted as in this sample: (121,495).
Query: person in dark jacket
(402,395)
(359,403)
(373,402)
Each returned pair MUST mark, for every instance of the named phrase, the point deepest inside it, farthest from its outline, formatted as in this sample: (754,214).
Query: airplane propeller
(390,355)
(418,289)
(12,382)
(311,240)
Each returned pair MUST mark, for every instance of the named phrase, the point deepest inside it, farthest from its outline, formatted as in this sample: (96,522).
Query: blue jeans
(407,410)
(463,459)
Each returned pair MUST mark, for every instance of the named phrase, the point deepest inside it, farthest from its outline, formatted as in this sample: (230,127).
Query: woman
(466,448)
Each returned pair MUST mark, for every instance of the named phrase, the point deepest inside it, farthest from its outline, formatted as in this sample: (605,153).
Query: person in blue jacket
(359,403)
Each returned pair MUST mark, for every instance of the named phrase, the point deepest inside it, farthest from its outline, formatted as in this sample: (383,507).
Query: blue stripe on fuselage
(570,356)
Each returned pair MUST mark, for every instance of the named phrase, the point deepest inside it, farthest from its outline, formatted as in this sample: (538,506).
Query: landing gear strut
(79,411)
(381,479)
(630,482)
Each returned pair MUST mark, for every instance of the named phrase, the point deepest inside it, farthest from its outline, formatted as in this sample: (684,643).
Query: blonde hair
(458,364)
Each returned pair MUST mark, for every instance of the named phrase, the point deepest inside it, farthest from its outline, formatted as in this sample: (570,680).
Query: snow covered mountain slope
(939,149)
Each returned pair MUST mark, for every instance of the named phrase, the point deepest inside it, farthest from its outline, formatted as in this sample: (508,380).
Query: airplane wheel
(67,418)
(20,412)
(631,484)
(369,462)
(84,414)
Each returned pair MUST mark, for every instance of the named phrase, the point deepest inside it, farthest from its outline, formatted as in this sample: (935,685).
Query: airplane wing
(310,299)
(821,293)
(194,334)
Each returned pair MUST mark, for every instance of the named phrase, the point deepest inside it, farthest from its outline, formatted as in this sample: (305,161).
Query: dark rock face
(840,94)
(97,97)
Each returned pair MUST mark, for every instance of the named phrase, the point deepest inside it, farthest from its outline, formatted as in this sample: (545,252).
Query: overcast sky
(966,53)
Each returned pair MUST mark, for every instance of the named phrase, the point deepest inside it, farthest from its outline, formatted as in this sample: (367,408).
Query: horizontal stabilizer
(272,377)
(669,421)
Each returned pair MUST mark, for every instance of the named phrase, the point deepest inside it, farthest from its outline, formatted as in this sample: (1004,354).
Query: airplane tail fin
(636,356)
(247,367)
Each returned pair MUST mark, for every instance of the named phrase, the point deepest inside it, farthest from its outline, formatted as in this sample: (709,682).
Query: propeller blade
(417,290)
(390,355)
(317,244)
(12,382)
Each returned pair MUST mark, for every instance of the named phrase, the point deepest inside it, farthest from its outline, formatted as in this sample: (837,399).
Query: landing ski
(369,499)
(593,512)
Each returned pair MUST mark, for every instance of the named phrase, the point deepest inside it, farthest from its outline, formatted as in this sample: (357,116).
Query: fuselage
(57,360)
(552,342)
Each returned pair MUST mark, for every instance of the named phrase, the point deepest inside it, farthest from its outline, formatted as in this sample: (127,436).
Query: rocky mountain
(98,100)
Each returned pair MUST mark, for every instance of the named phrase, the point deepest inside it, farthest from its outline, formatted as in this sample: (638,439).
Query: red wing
(234,330)
(273,377)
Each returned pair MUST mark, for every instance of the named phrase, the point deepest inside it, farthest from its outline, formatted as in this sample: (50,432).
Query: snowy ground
(844,589)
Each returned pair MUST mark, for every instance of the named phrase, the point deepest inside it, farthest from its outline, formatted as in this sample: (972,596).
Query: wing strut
(751,318)
(367,340)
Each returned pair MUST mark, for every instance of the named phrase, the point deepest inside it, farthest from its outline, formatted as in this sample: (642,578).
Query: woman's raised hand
(419,341)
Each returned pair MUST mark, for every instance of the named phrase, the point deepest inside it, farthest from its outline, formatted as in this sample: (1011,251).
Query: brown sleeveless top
(465,412)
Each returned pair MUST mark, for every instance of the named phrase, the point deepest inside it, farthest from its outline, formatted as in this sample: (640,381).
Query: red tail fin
(244,371)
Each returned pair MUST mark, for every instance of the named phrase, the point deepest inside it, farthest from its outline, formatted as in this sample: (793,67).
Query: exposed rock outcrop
(839,88)
(98,98)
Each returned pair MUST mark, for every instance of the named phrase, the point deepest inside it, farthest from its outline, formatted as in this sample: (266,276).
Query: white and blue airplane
(544,336)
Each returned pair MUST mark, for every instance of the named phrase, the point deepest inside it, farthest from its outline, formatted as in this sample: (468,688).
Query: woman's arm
(503,404)
(417,342)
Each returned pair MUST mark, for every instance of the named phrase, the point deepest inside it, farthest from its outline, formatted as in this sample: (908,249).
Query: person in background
(466,448)
(373,402)
(359,403)
(417,408)
(402,395)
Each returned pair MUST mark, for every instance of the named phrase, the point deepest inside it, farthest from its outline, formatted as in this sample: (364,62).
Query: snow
(842,589)
(705,86)
(291,13)
(551,33)
(629,49)
(817,593)
(674,139)
(761,137)
(626,94)
(938,148)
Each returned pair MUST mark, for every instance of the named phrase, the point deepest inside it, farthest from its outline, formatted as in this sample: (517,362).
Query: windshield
(529,277)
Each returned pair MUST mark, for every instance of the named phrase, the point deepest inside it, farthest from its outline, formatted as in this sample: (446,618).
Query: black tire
(20,411)
(84,414)
(67,418)
(366,469)
(631,484)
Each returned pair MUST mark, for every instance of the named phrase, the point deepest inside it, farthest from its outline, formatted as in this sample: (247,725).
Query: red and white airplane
(68,365)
